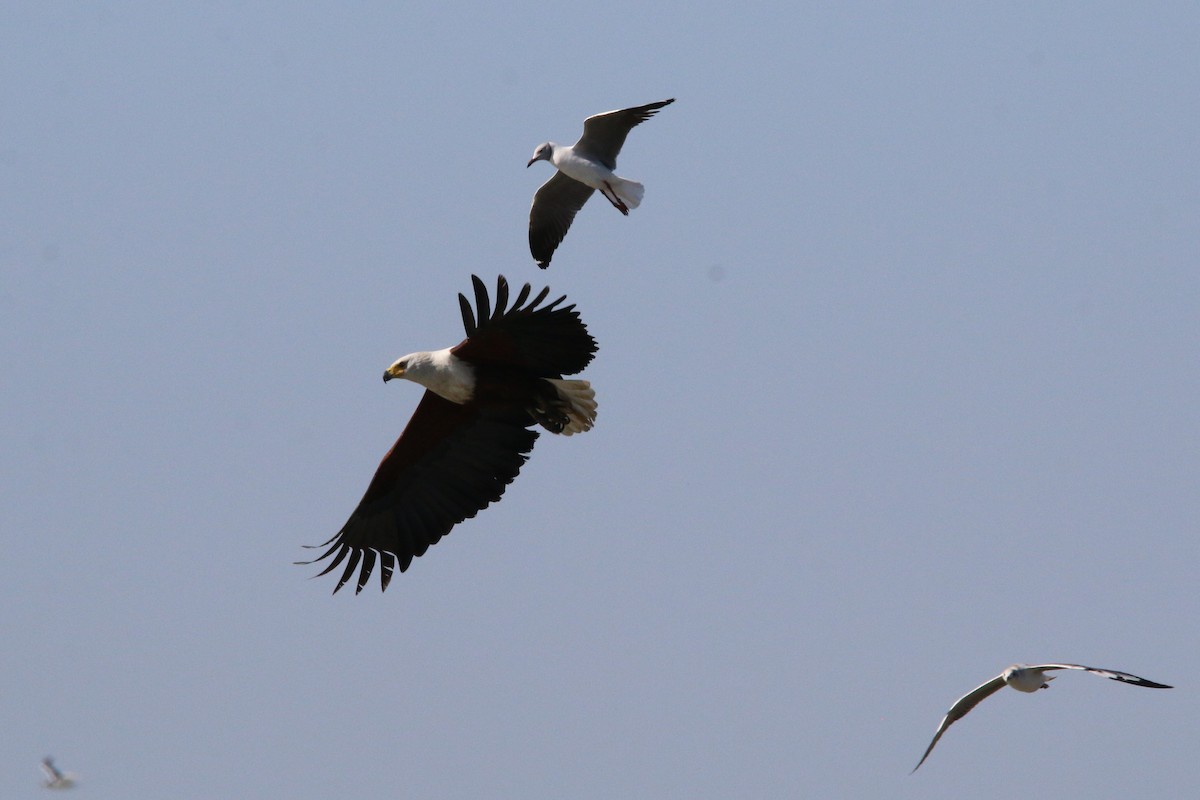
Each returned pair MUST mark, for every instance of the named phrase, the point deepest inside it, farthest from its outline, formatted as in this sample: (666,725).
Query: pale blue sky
(898,384)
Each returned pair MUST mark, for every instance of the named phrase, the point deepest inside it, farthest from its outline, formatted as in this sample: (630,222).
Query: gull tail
(628,192)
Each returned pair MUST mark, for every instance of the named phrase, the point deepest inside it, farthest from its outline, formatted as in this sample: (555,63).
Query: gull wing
(960,709)
(554,207)
(51,771)
(1111,674)
(604,134)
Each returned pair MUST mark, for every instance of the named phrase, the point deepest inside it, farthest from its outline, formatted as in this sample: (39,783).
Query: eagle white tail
(580,403)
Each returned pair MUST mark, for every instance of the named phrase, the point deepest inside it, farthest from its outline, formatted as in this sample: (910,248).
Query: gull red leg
(616,201)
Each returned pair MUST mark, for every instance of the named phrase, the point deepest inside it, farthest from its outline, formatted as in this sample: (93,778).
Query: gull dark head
(543,153)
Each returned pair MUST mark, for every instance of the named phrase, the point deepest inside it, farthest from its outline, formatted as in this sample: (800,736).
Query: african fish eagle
(471,431)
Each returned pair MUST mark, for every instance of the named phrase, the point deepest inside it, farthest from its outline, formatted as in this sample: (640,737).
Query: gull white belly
(1024,679)
(590,173)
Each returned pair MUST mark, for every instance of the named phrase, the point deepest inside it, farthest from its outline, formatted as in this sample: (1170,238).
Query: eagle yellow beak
(394,371)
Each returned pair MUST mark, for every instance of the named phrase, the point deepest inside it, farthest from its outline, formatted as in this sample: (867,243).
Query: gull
(582,168)
(54,778)
(1023,678)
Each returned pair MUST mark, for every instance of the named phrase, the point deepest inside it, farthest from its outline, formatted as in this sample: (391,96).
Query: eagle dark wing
(546,341)
(604,134)
(554,207)
(450,462)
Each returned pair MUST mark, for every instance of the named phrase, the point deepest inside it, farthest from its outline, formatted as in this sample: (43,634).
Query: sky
(897,385)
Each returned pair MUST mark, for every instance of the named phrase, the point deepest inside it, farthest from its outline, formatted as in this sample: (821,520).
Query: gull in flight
(54,778)
(1023,678)
(583,168)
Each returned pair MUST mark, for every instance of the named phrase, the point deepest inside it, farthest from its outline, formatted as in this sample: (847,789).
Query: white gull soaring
(583,168)
(1023,678)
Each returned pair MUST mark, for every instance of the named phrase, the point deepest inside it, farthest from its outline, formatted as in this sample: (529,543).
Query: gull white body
(1026,679)
(590,172)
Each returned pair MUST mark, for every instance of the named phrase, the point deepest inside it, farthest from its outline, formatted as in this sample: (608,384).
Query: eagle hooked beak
(394,371)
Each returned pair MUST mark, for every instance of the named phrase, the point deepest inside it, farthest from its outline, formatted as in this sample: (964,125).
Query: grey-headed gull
(583,168)
(54,778)
(1023,678)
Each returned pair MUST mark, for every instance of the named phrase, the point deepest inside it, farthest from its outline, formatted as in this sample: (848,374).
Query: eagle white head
(439,371)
